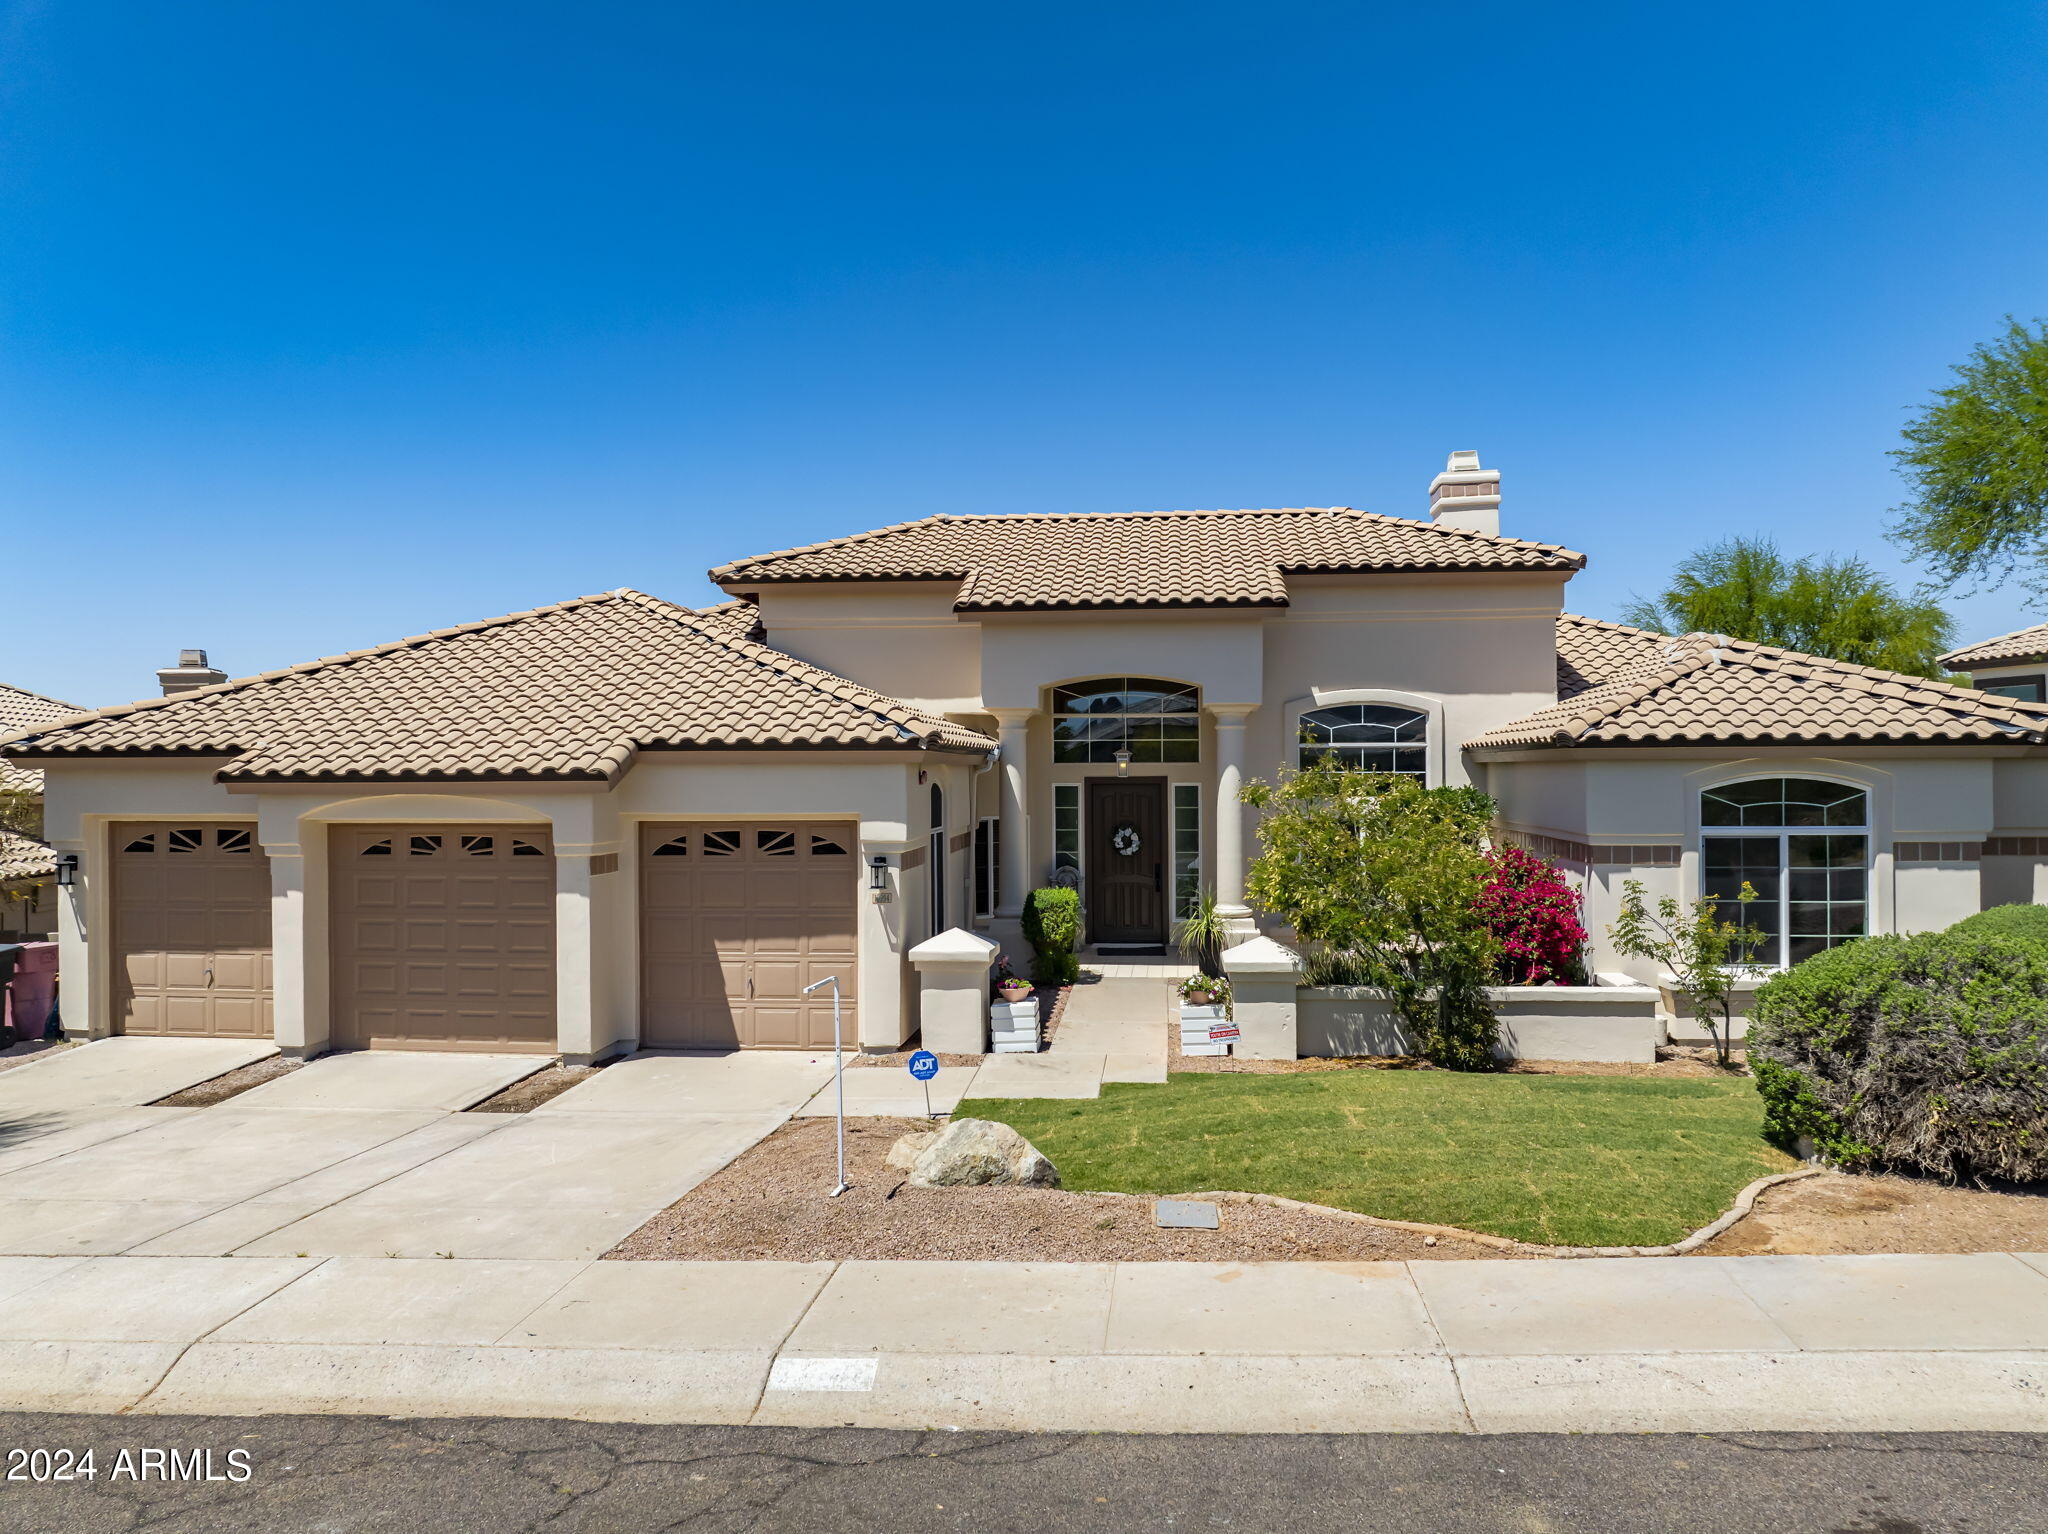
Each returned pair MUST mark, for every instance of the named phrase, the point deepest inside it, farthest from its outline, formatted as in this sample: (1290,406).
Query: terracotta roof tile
(2020,645)
(20,712)
(1142,559)
(23,857)
(1706,689)
(573,691)
(1591,651)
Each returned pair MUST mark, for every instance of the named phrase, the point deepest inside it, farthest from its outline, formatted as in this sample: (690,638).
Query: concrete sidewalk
(1903,1343)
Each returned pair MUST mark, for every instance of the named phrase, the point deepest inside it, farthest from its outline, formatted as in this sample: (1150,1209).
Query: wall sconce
(67,870)
(1123,761)
(878,874)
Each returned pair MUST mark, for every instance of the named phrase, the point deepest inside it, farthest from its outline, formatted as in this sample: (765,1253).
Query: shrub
(1927,1053)
(1534,916)
(1052,926)
(2025,923)
(1388,874)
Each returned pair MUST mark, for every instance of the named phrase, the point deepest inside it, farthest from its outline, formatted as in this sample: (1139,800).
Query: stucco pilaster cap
(1261,956)
(953,946)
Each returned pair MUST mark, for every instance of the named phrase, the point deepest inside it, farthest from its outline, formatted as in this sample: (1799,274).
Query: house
(28,864)
(615,820)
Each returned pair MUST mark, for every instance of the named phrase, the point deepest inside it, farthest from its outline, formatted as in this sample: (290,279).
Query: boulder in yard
(972,1153)
(904,1152)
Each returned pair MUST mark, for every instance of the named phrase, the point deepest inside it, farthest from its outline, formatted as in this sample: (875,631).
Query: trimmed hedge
(1052,926)
(2024,923)
(1927,1052)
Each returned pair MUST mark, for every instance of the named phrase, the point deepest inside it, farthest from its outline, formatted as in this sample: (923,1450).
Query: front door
(1126,868)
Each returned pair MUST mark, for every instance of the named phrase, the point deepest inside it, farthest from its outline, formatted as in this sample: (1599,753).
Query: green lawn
(1571,1160)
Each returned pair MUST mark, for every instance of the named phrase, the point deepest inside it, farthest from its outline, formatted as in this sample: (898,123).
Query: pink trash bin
(33,992)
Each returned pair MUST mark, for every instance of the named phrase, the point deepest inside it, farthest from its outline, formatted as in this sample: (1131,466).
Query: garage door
(735,921)
(191,930)
(444,938)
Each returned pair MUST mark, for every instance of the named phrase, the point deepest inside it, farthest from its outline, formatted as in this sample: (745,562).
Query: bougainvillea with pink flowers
(1534,913)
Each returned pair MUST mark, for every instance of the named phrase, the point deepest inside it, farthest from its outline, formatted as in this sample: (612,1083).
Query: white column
(1229,874)
(1015,726)
(297,1035)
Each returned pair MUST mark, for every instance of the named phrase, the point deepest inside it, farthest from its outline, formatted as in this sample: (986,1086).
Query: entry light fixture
(67,870)
(878,874)
(1123,761)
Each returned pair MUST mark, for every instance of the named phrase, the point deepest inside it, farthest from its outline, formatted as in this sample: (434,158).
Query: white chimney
(190,672)
(1466,496)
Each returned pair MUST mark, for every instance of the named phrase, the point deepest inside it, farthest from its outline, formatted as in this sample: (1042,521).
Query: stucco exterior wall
(899,637)
(597,910)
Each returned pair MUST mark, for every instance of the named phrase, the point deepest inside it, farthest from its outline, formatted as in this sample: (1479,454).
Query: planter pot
(1198,998)
(1013,994)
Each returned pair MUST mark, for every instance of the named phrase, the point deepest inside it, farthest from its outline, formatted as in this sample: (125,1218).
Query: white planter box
(1028,1048)
(1195,1023)
(1013,1027)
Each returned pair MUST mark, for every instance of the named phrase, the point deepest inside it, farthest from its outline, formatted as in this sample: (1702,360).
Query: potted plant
(1011,986)
(1201,990)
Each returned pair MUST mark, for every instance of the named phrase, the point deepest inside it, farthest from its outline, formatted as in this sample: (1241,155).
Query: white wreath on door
(1125,840)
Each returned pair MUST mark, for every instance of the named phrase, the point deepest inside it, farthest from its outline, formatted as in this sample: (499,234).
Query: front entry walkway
(1114,1030)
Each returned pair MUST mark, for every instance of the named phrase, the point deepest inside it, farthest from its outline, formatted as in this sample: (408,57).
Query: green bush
(2025,923)
(1927,1053)
(1052,926)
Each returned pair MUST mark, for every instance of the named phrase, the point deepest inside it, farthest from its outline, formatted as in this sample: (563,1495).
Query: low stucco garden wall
(1614,1020)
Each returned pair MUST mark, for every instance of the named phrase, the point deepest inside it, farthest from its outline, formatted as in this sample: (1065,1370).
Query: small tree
(1387,874)
(1694,944)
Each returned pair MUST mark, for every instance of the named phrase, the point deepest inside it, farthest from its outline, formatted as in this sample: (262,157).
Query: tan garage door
(191,909)
(444,938)
(735,921)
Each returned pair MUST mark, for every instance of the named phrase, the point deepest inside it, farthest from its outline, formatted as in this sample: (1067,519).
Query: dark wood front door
(1127,860)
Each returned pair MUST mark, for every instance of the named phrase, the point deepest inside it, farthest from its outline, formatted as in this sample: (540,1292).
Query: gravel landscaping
(1841,1214)
(774,1203)
(232,1084)
(524,1095)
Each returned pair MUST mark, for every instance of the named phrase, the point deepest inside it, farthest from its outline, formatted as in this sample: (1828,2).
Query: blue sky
(322,325)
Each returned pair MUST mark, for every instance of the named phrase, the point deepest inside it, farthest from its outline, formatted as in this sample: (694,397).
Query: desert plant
(1388,873)
(2026,923)
(1052,926)
(1927,1053)
(1694,944)
(1201,934)
(1534,915)
(1320,966)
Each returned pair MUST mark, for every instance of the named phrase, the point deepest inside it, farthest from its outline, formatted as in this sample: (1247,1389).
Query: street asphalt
(338,1475)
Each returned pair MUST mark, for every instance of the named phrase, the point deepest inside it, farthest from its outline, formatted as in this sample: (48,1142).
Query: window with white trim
(1187,849)
(1154,721)
(1066,826)
(1803,844)
(1367,737)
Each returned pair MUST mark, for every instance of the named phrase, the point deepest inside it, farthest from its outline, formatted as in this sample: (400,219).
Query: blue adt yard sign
(924,1065)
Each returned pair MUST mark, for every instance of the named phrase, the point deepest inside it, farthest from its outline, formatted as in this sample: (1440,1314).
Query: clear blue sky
(325,324)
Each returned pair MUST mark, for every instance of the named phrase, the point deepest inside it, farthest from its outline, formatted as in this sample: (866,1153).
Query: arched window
(1368,737)
(1803,844)
(1155,721)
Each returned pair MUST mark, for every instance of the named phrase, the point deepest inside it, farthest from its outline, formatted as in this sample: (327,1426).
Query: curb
(1744,1202)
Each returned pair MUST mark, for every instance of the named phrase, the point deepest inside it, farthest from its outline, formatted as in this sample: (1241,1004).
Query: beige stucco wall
(898,637)
(597,914)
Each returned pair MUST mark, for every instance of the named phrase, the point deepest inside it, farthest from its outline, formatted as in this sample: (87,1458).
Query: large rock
(972,1153)
(904,1153)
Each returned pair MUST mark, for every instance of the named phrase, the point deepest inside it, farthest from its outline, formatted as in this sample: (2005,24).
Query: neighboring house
(28,865)
(618,821)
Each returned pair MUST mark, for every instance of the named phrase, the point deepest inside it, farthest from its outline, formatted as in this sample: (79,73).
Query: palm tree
(1821,605)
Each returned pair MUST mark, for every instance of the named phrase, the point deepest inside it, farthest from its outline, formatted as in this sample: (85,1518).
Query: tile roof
(741,619)
(21,711)
(23,857)
(1591,651)
(571,691)
(1707,689)
(1142,558)
(2020,645)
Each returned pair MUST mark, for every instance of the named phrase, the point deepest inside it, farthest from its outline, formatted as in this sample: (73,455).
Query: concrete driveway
(369,1155)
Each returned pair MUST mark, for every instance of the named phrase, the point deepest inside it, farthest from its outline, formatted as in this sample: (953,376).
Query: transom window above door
(1803,845)
(1155,721)
(1367,737)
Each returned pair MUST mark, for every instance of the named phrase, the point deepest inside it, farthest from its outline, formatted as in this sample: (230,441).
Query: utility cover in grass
(1564,1160)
